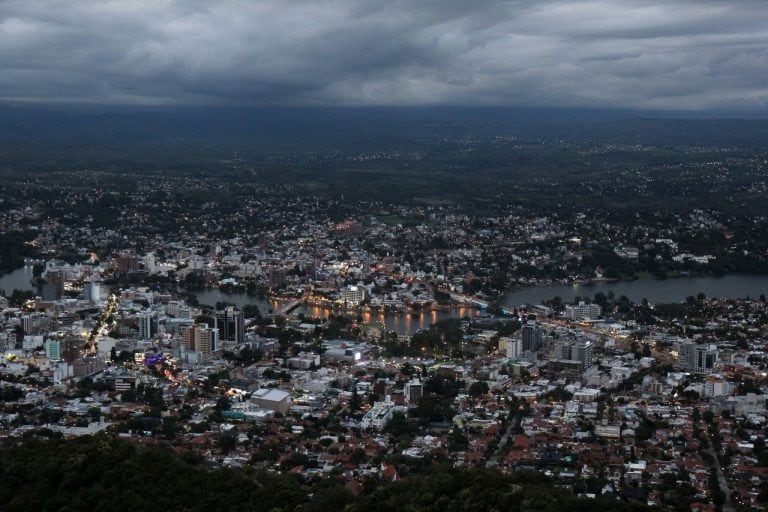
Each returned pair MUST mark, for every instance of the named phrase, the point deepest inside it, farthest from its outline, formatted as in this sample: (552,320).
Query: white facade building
(583,310)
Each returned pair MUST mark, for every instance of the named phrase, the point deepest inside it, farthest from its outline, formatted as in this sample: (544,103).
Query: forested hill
(104,473)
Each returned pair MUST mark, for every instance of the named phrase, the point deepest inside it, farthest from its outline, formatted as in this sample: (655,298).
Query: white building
(379,415)
(512,347)
(717,385)
(272,399)
(583,310)
(92,291)
(352,295)
(201,339)
(178,309)
(60,371)
(150,262)
(697,358)
(32,342)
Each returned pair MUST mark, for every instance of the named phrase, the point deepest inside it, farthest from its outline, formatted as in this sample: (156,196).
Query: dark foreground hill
(104,473)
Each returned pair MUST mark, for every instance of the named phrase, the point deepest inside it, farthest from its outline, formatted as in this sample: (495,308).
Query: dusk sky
(670,54)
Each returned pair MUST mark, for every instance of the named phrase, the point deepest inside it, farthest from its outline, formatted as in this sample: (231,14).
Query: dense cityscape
(377,256)
(356,342)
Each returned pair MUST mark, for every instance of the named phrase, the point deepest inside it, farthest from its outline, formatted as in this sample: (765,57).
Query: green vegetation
(14,247)
(104,473)
(443,489)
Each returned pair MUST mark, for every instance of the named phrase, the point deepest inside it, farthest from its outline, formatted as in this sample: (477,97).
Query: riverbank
(18,279)
(654,290)
(639,276)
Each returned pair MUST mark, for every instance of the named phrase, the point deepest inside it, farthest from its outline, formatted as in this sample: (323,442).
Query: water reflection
(402,323)
(670,290)
(19,279)
(211,297)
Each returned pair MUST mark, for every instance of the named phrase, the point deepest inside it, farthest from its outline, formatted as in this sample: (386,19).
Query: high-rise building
(55,279)
(366,261)
(201,339)
(563,348)
(150,262)
(87,365)
(570,349)
(414,390)
(125,263)
(717,385)
(145,325)
(196,262)
(28,324)
(697,358)
(231,325)
(276,277)
(532,336)
(53,349)
(178,309)
(706,357)
(92,291)
(583,351)
(512,347)
(687,355)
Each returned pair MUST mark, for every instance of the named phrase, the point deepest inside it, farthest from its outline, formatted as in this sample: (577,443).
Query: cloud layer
(668,54)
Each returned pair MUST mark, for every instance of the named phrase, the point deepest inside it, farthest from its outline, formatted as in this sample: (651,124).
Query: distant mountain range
(277,130)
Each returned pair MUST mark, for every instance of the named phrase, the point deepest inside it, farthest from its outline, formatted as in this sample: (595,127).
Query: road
(102,324)
(721,481)
(494,460)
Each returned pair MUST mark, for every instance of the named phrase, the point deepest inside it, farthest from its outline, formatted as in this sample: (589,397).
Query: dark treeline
(372,128)
(104,473)
(14,248)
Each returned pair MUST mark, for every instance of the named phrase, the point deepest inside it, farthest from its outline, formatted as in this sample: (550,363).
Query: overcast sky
(670,54)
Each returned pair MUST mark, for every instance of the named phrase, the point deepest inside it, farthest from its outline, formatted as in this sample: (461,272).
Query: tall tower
(366,263)
(92,290)
(706,357)
(687,357)
(583,352)
(53,349)
(532,335)
(56,279)
(145,326)
(564,348)
(150,262)
(201,339)
(231,325)
(28,324)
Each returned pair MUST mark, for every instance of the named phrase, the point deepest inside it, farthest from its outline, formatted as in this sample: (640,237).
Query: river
(402,323)
(19,279)
(656,291)
(212,296)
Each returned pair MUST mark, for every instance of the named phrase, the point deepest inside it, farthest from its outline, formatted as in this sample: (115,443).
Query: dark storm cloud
(666,54)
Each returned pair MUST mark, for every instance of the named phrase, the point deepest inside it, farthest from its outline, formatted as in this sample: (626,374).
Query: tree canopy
(106,473)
